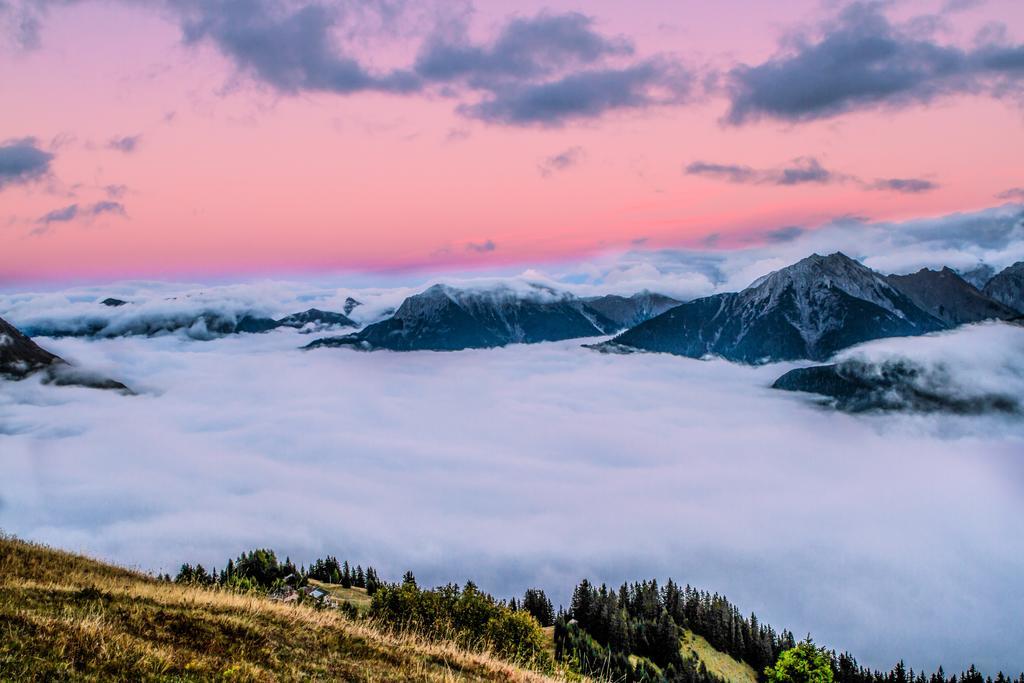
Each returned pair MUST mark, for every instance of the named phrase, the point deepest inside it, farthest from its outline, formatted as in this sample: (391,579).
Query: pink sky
(231,176)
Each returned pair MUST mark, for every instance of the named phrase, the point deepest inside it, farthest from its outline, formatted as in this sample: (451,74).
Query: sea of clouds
(891,535)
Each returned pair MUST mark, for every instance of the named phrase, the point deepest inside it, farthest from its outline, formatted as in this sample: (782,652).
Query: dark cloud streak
(803,171)
(22,161)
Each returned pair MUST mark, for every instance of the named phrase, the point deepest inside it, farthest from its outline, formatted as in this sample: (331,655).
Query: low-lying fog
(890,536)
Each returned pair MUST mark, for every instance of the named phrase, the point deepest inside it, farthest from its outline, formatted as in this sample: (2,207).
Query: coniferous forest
(629,634)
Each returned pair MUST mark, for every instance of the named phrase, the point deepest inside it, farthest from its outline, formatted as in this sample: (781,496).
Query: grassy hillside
(67,617)
(354,596)
(718,663)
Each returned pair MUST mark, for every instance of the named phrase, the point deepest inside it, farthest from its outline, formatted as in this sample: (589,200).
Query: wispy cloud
(74,212)
(126,144)
(1014,193)
(803,171)
(484,247)
(563,160)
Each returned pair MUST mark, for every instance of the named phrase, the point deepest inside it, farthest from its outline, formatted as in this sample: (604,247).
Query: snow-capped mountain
(949,297)
(806,311)
(21,357)
(1007,287)
(444,318)
(630,311)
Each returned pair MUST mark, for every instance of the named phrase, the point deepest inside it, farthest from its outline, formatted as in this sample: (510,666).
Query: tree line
(632,634)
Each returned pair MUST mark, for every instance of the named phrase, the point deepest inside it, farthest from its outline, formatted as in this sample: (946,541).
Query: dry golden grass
(67,617)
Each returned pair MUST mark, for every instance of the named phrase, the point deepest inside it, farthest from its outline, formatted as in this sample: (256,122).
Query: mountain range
(805,311)
(444,318)
(808,310)
(204,325)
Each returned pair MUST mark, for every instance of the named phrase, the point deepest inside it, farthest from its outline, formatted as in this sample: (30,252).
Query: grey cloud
(290,47)
(482,247)
(733,173)
(903,185)
(22,24)
(549,69)
(126,144)
(785,234)
(115,191)
(561,161)
(803,171)
(961,5)
(63,215)
(525,48)
(541,70)
(1016,193)
(74,212)
(583,94)
(799,171)
(862,61)
(22,161)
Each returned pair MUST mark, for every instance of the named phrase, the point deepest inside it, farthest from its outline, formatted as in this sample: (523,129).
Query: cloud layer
(489,464)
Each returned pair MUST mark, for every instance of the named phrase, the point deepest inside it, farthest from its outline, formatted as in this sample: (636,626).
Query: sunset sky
(179,138)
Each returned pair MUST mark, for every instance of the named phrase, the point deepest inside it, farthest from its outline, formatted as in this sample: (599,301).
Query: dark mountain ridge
(21,357)
(947,296)
(808,310)
(444,318)
(897,385)
(1007,287)
(630,311)
(316,320)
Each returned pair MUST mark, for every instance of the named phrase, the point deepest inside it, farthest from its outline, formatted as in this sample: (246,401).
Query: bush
(469,617)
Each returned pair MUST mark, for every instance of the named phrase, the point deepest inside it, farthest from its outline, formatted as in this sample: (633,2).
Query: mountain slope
(316,320)
(978,275)
(949,297)
(630,311)
(808,310)
(66,617)
(1007,287)
(856,387)
(445,318)
(21,357)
